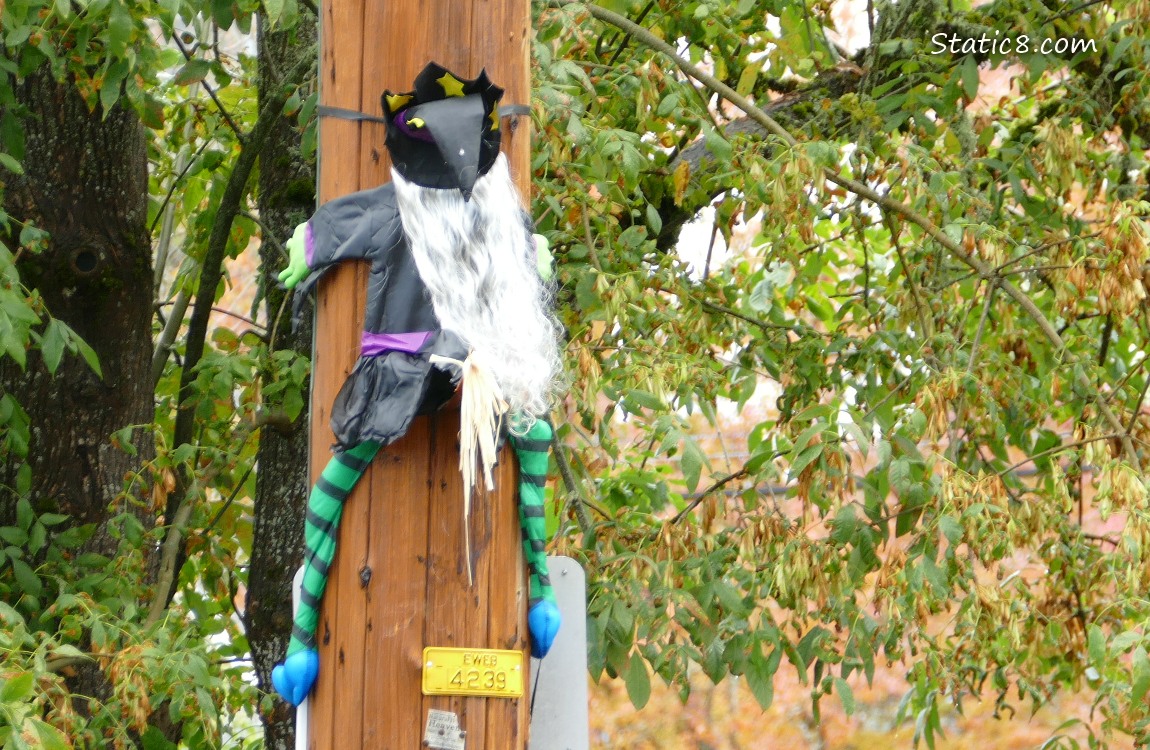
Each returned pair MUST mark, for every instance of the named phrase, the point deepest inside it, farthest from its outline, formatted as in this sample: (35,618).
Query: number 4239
(487,679)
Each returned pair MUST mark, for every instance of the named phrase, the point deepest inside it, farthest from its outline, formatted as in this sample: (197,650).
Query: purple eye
(413,127)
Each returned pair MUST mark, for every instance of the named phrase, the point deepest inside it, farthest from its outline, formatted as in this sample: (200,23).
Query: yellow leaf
(681,177)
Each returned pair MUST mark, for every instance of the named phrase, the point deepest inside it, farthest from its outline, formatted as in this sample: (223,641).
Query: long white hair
(479,265)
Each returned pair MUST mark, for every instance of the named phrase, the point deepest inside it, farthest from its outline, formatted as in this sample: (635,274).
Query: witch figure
(456,299)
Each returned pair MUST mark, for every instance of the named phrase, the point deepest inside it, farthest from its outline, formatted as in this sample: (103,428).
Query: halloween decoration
(456,299)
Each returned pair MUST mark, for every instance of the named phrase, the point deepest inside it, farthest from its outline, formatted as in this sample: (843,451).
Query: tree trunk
(286,198)
(85,183)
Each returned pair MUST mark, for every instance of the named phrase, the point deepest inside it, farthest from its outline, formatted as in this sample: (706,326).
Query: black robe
(393,381)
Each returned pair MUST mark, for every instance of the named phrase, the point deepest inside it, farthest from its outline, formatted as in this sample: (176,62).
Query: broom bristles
(481,417)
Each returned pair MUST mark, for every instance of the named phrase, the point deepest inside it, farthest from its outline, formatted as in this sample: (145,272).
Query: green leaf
(67,650)
(152,113)
(970,78)
(24,479)
(646,400)
(293,403)
(900,473)
(747,80)
(1140,676)
(71,538)
(1123,641)
(953,233)
(844,525)
(638,681)
(10,616)
(692,463)
(193,71)
(25,516)
(633,236)
(9,162)
(273,11)
(654,221)
(50,736)
(809,455)
(633,163)
(935,575)
(27,578)
(52,344)
(719,147)
(114,86)
(805,437)
(860,437)
(812,412)
(17,688)
(951,529)
(846,695)
(761,676)
(119,31)
(37,537)
(762,297)
(14,536)
(88,354)
(1096,645)
(154,739)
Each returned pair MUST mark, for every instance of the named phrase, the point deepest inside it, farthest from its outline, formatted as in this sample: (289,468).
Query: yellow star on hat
(452,86)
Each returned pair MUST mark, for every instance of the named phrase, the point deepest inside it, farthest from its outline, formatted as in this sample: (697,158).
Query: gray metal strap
(506,110)
(347,114)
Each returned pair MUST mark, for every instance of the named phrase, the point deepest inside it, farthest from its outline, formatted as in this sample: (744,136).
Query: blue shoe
(543,622)
(294,678)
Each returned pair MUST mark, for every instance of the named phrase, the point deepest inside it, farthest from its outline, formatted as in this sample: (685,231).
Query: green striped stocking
(543,614)
(324,509)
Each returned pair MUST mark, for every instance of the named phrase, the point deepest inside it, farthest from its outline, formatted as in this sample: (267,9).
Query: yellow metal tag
(473,671)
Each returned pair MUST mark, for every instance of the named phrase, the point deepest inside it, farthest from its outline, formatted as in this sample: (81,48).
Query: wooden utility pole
(399,579)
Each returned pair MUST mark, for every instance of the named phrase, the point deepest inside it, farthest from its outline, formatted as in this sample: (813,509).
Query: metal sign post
(559,712)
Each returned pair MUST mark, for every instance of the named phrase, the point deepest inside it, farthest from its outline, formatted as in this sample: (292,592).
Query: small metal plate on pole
(559,713)
(442,731)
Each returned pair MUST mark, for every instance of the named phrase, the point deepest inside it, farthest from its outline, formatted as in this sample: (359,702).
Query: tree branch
(179,507)
(718,485)
(168,335)
(863,191)
(211,92)
(981,327)
(920,307)
(211,271)
(1057,449)
(58,664)
(169,555)
(574,497)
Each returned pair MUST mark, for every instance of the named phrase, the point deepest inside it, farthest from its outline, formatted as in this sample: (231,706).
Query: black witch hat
(445,133)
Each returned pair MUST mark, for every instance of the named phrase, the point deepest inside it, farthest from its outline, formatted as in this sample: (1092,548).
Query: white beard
(479,265)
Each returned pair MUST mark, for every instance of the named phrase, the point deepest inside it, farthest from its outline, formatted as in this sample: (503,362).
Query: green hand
(297,269)
(543,260)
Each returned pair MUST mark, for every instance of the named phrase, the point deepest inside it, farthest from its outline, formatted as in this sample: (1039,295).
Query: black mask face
(445,133)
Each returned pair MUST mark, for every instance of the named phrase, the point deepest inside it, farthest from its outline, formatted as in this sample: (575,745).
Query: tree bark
(85,183)
(286,198)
